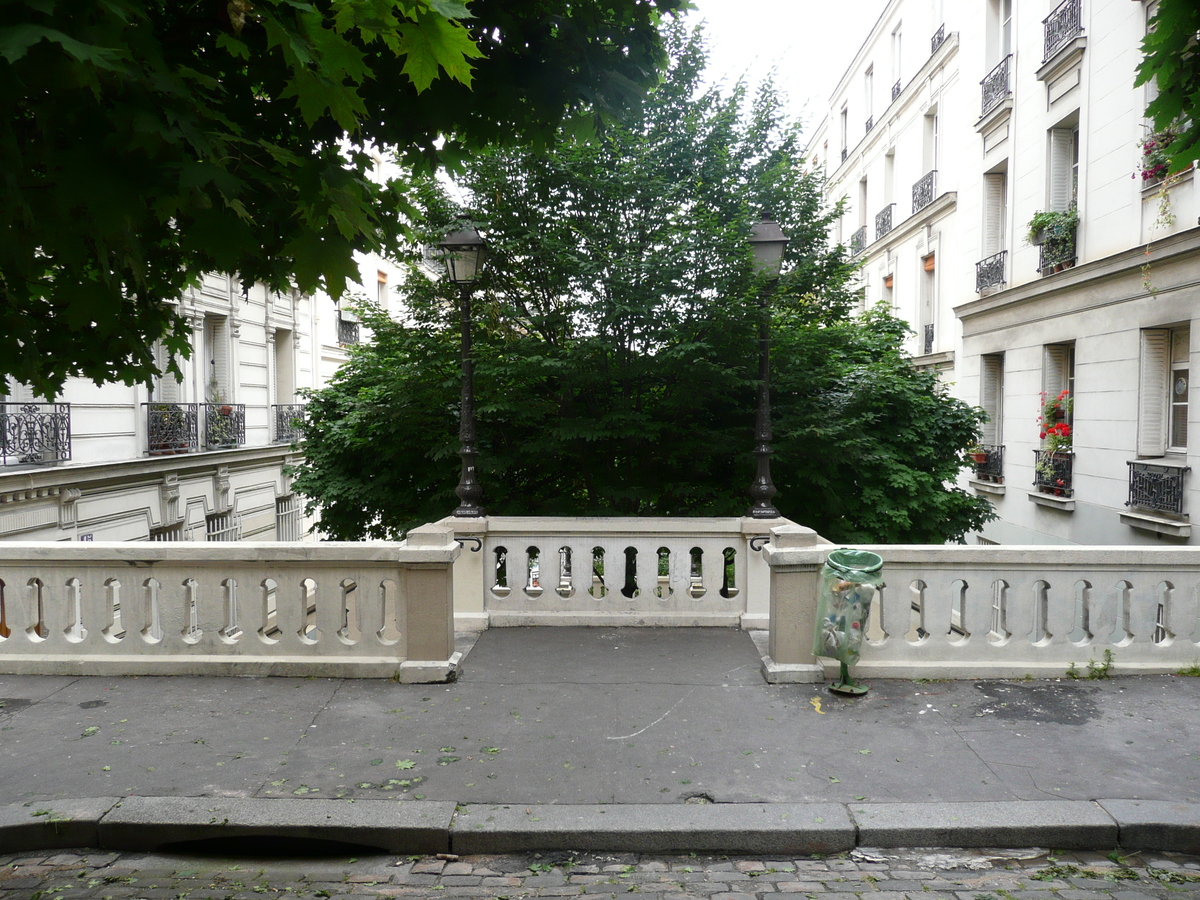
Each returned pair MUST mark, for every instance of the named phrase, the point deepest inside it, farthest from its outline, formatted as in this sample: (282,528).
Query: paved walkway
(875,875)
(632,719)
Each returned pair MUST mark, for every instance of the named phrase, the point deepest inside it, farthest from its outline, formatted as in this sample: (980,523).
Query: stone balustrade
(610,571)
(995,612)
(327,609)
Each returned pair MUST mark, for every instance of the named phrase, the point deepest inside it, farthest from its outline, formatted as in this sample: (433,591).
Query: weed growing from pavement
(1192,671)
(1095,671)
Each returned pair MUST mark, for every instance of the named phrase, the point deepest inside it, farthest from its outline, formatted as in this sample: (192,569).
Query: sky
(809,42)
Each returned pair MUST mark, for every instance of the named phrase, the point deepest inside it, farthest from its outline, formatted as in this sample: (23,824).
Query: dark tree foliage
(144,142)
(1171,59)
(616,354)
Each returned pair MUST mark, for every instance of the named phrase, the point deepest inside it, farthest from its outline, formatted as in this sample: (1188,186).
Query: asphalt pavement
(648,739)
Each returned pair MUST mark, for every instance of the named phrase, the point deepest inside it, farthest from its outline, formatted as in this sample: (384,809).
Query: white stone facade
(1021,107)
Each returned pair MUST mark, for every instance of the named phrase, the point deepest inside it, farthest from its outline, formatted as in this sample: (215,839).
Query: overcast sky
(809,42)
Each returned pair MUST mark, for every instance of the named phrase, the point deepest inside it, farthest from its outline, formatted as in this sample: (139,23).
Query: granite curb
(431,827)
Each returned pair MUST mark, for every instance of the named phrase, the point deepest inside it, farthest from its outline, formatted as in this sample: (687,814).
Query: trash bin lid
(846,560)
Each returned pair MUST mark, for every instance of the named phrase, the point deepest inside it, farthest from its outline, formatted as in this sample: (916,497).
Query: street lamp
(464,252)
(768,241)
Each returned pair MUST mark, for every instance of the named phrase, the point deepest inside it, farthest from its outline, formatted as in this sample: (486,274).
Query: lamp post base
(469,512)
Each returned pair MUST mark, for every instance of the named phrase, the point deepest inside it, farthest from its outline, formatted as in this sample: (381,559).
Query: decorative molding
(221,489)
(67,501)
(168,493)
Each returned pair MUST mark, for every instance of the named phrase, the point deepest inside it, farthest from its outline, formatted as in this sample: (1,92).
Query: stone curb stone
(1156,824)
(1064,824)
(148,823)
(52,824)
(758,828)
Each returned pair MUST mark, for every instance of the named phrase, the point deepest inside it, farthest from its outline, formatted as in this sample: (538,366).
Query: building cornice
(1074,290)
(944,204)
(32,483)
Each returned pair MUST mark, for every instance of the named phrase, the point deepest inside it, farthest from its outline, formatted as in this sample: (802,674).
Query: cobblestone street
(879,875)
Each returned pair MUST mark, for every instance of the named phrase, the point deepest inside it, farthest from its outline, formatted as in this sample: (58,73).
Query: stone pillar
(471,572)
(795,556)
(428,594)
(758,575)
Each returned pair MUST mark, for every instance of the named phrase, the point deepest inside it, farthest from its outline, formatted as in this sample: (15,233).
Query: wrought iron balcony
(1052,471)
(923,191)
(995,86)
(1156,487)
(1061,27)
(896,89)
(883,221)
(347,332)
(870,124)
(34,433)
(927,343)
(224,425)
(990,272)
(1057,250)
(858,241)
(939,38)
(991,469)
(289,419)
(845,153)
(172,428)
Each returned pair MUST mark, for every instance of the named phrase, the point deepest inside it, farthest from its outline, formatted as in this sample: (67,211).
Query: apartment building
(203,457)
(1003,196)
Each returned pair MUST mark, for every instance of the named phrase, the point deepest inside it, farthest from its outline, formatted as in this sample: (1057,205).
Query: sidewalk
(648,739)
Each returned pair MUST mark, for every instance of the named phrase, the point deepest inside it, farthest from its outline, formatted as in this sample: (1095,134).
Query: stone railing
(618,571)
(995,612)
(370,610)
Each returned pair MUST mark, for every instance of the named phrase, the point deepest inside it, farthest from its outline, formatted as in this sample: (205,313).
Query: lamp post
(464,254)
(767,240)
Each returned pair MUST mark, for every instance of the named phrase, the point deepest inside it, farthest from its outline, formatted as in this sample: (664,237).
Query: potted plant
(1055,233)
(1155,161)
(977,453)
(1055,432)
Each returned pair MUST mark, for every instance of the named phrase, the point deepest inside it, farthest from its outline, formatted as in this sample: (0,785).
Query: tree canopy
(144,142)
(615,346)
(1171,60)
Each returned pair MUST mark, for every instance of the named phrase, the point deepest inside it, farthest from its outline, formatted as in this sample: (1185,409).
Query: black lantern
(768,241)
(464,254)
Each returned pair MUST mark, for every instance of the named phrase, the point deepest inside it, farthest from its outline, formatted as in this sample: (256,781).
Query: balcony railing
(858,241)
(1061,27)
(991,469)
(289,418)
(939,38)
(896,89)
(34,433)
(347,332)
(1052,472)
(870,124)
(883,221)
(1057,250)
(990,272)
(172,428)
(224,425)
(1156,487)
(927,342)
(845,153)
(995,86)
(924,190)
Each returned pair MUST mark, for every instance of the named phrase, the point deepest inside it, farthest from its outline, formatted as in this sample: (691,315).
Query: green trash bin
(849,581)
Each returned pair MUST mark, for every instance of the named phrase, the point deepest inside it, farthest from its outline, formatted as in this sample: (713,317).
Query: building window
(381,290)
(990,271)
(991,400)
(844,124)
(1063,169)
(1163,391)
(288,518)
(1055,460)
(928,303)
(348,332)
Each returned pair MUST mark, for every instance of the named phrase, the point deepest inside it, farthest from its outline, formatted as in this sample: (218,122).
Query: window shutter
(1152,393)
(993,226)
(1061,175)
(991,380)
(1054,370)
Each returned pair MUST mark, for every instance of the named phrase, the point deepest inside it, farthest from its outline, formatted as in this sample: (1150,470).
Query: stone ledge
(1157,524)
(758,828)
(148,823)
(1065,824)
(1049,501)
(52,824)
(987,487)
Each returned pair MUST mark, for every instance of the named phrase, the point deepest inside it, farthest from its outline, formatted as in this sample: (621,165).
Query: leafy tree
(615,346)
(1171,59)
(144,142)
